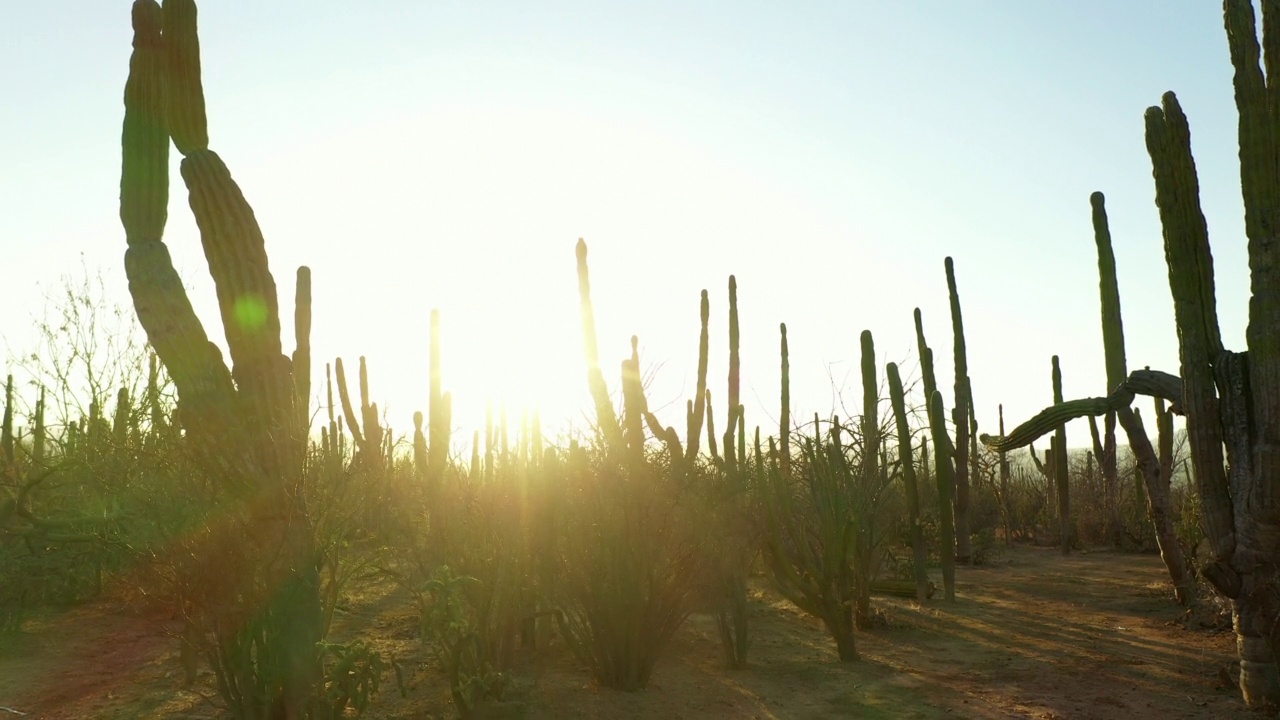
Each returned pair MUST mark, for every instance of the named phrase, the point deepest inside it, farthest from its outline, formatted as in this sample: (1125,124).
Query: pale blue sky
(449,154)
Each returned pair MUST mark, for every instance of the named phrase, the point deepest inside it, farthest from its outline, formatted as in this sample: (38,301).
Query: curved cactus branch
(1140,382)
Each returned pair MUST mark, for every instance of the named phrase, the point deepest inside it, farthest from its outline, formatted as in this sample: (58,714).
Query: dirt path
(1033,635)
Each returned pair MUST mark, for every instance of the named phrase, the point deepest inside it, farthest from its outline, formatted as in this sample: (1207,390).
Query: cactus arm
(185,92)
(926,361)
(1141,382)
(162,305)
(697,409)
(345,398)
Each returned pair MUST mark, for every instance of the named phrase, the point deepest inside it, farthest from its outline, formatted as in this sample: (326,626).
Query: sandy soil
(1032,635)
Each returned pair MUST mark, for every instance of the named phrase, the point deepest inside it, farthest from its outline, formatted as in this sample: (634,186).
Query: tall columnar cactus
(1155,479)
(302,350)
(1231,404)
(633,404)
(440,409)
(1104,445)
(1006,503)
(1226,398)
(6,429)
(926,362)
(1060,466)
(909,484)
(868,479)
(606,418)
(784,415)
(241,422)
(366,429)
(734,414)
(943,452)
(961,417)
(697,406)
(120,421)
(38,432)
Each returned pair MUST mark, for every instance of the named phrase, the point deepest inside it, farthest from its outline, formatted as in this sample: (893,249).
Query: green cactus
(244,432)
(633,403)
(121,420)
(302,345)
(961,416)
(734,413)
(38,432)
(6,430)
(1006,509)
(419,444)
(926,363)
(944,455)
(697,406)
(711,429)
(1063,482)
(365,429)
(942,451)
(784,421)
(909,483)
(868,478)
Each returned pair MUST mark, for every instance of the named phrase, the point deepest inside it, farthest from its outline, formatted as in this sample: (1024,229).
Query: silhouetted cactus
(943,452)
(961,416)
(606,418)
(1060,467)
(909,485)
(243,431)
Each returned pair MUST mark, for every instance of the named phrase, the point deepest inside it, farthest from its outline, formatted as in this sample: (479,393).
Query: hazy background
(449,154)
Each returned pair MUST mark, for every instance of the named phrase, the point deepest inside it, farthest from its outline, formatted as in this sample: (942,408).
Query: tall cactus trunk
(1061,467)
(868,476)
(606,418)
(960,416)
(735,406)
(942,450)
(697,407)
(242,424)
(1006,504)
(909,484)
(1228,399)
(1155,481)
